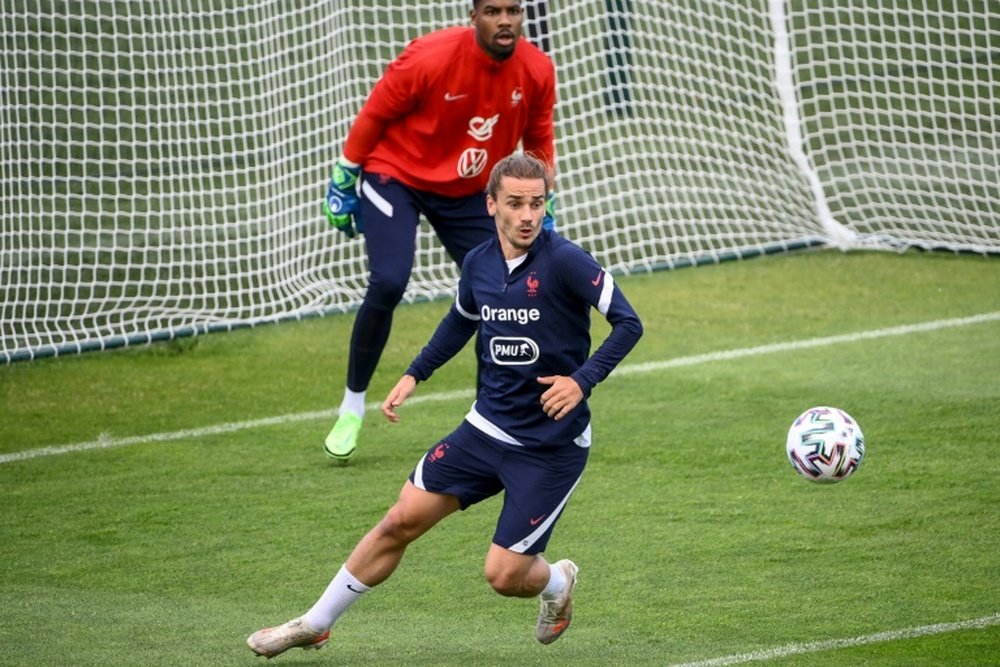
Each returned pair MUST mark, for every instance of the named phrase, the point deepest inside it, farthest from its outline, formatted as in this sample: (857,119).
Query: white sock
(557,582)
(354,401)
(343,591)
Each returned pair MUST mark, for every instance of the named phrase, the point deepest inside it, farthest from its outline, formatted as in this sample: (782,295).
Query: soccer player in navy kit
(529,293)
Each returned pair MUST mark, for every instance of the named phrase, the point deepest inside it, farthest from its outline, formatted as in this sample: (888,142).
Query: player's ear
(491,205)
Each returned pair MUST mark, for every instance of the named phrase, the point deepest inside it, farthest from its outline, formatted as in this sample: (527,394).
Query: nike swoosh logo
(448,97)
(535,522)
(597,280)
(354,590)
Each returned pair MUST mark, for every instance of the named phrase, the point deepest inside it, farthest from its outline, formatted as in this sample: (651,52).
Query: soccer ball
(825,445)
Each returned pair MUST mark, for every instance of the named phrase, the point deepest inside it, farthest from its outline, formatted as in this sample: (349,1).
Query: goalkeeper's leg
(368,339)
(390,223)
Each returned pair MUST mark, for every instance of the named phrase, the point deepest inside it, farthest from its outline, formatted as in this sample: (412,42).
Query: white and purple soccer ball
(825,445)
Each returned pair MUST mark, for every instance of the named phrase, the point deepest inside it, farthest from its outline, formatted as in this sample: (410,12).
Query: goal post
(163,164)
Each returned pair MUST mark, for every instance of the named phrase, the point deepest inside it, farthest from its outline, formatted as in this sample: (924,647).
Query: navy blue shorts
(391,212)
(537,482)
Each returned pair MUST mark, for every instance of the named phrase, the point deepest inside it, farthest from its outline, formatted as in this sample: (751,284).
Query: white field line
(106,442)
(807,343)
(833,644)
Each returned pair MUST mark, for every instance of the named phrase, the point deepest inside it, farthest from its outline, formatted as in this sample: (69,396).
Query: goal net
(163,163)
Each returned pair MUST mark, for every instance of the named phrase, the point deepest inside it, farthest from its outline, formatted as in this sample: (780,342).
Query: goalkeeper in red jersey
(446,110)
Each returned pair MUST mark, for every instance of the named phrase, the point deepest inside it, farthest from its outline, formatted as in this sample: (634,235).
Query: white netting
(900,104)
(163,162)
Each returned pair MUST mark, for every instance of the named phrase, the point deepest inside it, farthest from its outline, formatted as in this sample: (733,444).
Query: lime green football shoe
(343,439)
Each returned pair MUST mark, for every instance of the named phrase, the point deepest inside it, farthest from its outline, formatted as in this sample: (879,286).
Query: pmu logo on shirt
(513,350)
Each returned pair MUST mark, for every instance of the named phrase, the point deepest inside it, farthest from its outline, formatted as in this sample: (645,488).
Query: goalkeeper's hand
(549,221)
(341,204)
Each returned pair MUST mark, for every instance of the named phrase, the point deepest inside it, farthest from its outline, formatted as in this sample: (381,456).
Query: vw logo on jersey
(481,129)
(472,162)
(513,350)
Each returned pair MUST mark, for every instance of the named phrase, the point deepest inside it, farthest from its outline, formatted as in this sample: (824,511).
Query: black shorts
(537,482)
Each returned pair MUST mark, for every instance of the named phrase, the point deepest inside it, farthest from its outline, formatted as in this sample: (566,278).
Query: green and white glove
(342,203)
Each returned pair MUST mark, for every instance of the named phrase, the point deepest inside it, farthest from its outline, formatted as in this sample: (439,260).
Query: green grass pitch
(178,527)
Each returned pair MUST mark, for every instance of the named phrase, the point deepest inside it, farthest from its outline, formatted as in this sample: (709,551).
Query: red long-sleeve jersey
(444,113)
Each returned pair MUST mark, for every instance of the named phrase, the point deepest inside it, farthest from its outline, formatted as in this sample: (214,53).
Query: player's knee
(397,527)
(385,294)
(508,583)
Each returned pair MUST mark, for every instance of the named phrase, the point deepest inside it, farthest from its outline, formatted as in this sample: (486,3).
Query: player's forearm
(449,338)
(363,137)
(626,330)
(543,148)
(539,138)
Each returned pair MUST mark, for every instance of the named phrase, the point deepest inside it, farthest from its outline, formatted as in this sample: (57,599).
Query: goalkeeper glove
(342,203)
(549,221)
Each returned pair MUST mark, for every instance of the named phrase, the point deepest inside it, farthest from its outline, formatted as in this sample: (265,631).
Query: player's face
(518,210)
(498,25)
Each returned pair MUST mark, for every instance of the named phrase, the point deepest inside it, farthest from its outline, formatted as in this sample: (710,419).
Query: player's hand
(561,397)
(341,204)
(397,396)
(549,221)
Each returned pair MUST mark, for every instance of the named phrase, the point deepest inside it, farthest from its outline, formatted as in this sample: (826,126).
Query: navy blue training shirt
(534,322)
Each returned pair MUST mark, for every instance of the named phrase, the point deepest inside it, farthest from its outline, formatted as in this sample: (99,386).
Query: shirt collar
(535,248)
